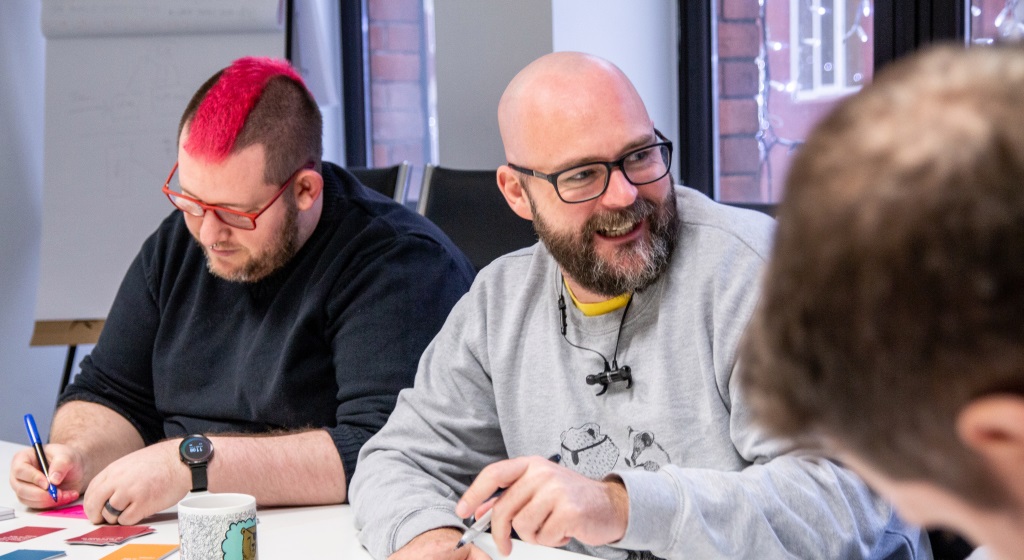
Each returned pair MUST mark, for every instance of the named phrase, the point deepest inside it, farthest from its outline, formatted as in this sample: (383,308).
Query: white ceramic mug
(217,526)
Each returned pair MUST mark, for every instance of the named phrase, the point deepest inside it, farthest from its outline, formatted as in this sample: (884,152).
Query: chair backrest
(392,182)
(469,208)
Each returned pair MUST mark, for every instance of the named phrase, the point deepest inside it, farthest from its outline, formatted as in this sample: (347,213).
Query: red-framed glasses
(233,218)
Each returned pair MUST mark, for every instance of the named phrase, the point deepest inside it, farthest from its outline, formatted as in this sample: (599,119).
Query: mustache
(640,210)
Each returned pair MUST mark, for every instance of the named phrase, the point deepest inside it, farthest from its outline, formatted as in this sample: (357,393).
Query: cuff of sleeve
(348,448)
(653,499)
(420,522)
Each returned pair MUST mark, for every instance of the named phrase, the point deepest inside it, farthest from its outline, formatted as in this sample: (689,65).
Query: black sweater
(327,341)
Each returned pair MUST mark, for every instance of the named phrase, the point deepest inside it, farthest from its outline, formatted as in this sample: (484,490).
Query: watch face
(196,449)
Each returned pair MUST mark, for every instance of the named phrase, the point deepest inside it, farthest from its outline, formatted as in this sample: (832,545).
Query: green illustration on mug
(240,541)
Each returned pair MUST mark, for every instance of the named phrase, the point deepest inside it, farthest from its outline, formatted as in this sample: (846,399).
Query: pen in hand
(484,522)
(33,436)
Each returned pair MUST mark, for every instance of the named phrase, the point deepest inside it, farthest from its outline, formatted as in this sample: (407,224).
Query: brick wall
(397,84)
(739,37)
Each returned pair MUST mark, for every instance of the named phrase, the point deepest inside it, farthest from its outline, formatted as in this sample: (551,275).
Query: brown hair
(285,119)
(895,292)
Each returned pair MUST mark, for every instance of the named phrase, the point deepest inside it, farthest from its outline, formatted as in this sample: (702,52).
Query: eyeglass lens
(643,166)
(190,207)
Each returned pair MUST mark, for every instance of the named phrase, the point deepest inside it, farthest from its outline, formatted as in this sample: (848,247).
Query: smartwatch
(196,451)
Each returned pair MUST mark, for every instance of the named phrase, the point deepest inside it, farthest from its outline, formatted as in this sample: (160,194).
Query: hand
(30,485)
(438,544)
(139,484)
(547,504)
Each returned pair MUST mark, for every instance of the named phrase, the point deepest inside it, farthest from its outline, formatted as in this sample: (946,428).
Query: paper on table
(142,552)
(6,513)
(33,555)
(25,533)
(75,511)
(111,534)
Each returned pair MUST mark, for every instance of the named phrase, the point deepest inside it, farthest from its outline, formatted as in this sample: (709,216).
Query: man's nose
(620,192)
(212,229)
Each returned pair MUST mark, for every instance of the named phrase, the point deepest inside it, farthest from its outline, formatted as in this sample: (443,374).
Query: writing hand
(547,504)
(30,484)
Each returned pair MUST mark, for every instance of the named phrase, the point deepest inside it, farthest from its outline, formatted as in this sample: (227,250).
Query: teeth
(619,231)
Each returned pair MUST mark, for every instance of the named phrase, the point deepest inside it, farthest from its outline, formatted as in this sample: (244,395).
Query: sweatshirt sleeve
(384,317)
(784,505)
(442,433)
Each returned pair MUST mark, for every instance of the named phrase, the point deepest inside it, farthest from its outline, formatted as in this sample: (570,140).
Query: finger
(494,476)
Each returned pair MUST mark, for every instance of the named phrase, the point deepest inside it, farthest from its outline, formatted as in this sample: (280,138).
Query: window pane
(782,65)
(993,20)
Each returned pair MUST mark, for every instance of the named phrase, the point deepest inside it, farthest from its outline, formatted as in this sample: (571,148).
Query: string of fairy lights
(1009,24)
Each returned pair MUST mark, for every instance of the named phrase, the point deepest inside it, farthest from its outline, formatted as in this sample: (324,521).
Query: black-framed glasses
(581,183)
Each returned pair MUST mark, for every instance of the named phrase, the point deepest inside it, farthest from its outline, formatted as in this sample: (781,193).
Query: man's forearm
(97,432)
(293,469)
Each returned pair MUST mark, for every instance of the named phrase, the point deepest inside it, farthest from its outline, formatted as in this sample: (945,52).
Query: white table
(298,532)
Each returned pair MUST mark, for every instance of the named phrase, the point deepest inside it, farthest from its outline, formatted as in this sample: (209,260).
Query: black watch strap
(198,477)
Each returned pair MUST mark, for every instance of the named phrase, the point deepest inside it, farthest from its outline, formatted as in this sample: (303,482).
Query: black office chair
(392,182)
(469,208)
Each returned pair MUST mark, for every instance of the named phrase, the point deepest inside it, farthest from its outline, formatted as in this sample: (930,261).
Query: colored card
(111,534)
(76,512)
(26,533)
(32,555)
(142,552)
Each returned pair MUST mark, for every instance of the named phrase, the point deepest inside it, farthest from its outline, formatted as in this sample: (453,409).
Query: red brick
(738,40)
(396,125)
(739,188)
(413,153)
(378,36)
(381,156)
(394,10)
(386,66)
(396,95)
(403,37)
(738,78)
(739,155)
(740,9)
(737,116)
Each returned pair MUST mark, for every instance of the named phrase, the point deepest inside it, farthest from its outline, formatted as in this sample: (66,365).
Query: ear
(514,192)
(993,427)
(308,186)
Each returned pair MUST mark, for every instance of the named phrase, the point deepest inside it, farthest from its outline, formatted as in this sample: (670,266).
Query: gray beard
(578,258)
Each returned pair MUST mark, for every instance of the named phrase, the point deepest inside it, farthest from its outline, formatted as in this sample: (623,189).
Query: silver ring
(214,246)
(112,510)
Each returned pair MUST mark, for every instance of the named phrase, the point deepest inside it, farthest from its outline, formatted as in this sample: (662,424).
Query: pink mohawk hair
(219,118)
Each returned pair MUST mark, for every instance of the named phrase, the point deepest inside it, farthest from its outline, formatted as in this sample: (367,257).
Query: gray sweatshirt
(500,381)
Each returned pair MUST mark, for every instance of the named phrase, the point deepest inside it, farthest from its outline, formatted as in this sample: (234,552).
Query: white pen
(484,523)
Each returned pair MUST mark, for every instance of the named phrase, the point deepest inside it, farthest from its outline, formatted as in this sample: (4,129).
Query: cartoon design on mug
(240,541)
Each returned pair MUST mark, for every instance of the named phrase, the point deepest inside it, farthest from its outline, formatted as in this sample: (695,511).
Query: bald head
(563,97)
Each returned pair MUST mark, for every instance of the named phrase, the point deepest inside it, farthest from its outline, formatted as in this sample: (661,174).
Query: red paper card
(111,534)
(26,533)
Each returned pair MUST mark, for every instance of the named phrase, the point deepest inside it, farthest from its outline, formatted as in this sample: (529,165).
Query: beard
(261,265)
(633,267)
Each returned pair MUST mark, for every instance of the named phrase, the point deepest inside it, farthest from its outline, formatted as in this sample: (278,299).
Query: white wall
(28,376)
(480,46)
(640,37)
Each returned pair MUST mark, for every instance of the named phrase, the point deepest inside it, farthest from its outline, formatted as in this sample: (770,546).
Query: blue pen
(33,436)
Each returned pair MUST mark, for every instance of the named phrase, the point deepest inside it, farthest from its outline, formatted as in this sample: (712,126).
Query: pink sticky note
(76,512)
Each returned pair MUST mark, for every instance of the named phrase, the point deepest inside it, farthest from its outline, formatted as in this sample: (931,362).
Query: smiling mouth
(618,231)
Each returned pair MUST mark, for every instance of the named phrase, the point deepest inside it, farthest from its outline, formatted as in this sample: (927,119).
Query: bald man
(609,346)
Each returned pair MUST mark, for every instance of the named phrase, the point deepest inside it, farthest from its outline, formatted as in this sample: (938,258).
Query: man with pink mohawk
(268,303)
